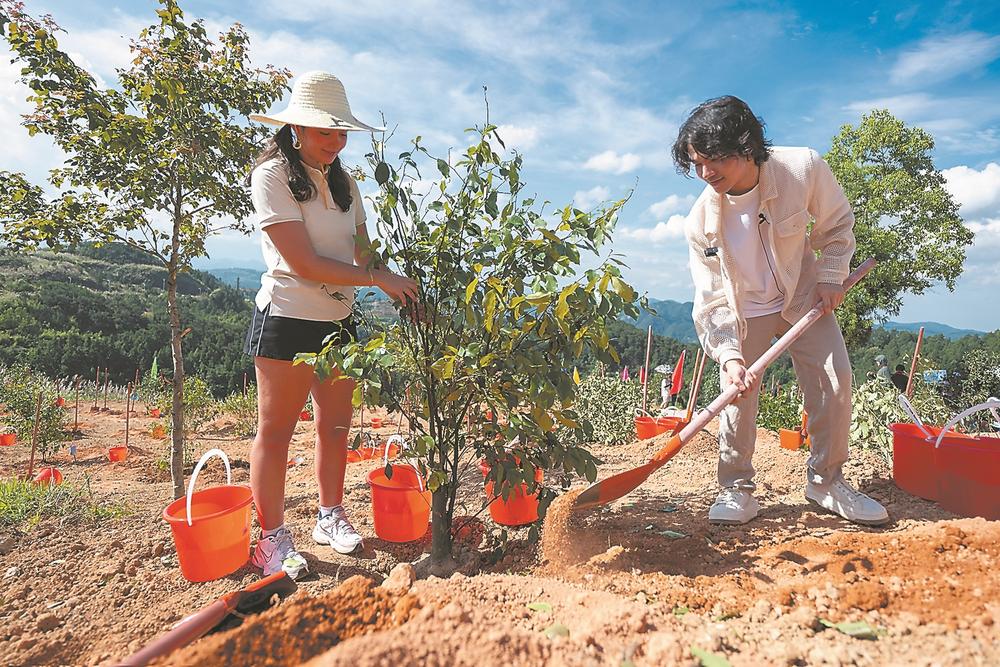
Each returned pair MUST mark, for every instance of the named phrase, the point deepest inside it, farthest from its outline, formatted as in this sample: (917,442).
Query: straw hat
(318,100)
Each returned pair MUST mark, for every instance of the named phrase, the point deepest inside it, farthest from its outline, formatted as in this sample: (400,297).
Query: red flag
(625,377)
(678,379)
(642,375)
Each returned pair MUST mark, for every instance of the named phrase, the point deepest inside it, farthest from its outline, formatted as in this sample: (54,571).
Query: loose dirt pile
(301,628)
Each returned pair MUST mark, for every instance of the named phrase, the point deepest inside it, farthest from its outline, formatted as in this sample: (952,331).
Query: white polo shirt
(330,230)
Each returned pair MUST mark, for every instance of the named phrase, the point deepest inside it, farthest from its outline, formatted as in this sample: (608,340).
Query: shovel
(224,613)
(615,487)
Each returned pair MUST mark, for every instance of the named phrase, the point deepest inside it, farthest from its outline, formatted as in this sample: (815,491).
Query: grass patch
(24,504)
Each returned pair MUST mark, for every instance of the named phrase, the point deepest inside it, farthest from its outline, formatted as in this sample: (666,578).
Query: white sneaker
(336,530)
(841,498)
(733,506)
(275,553)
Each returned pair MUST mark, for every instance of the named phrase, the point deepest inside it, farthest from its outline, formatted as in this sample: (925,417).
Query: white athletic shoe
(275,553)
(841,498)
(337,531)
(733,506)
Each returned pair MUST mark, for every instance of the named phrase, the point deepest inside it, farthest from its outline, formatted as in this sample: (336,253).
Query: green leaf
(709,659)
(388,471)
(444,168)
(381,173)
(470,289)
(672,534)
(856,629)
(540,606)
(556,630)
(680,610)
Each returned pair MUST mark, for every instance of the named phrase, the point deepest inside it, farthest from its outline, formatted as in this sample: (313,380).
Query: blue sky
(591,93)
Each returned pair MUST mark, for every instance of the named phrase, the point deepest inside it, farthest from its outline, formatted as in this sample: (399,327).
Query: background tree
(506,314)
(168,144)
(905,218)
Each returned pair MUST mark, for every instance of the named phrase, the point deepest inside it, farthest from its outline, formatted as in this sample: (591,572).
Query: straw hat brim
(315,118)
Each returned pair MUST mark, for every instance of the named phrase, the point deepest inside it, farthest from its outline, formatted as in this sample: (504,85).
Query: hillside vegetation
(66,313)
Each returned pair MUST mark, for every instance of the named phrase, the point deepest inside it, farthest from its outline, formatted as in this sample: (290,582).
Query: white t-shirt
(748,243)
(330,230)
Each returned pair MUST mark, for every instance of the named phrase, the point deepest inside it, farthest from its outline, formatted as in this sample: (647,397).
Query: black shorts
(277,337)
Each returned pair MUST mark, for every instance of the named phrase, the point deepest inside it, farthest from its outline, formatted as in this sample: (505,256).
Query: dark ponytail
(298,181)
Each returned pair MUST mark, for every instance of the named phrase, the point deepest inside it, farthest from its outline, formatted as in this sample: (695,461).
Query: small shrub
(778,412)
(609,405)
(200,407)
(23,503)
(876,405)
(19,389)
(243,408)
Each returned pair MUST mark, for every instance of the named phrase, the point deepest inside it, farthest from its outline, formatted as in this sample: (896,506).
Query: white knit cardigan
(796,187)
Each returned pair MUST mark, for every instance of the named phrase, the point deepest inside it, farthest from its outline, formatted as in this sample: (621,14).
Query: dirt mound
(301,628)
(559,546)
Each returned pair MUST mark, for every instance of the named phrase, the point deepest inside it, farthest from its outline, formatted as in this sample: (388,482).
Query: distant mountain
(672,319)
(241,277)
(932,329)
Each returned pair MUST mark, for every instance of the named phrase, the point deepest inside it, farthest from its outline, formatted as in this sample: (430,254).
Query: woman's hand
(734,372)
(399,288)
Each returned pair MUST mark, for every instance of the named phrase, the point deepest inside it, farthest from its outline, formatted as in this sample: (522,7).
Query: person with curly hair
(769,237)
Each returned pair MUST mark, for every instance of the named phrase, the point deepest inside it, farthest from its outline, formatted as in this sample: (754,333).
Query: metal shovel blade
(616,486)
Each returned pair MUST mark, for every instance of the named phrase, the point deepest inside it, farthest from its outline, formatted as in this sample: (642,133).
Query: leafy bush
(200,407)
(977,379)
(19,389)
(243,408)
(876,405)
(778,412)
(23,502)
(609,404)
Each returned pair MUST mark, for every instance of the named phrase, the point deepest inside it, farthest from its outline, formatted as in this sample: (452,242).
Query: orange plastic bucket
(401,505)
(117,453)
(790,438)
(969,469)
(8,439)
(969,476)
(645,427)
(520,508)
(376,422)
(48,477)
(211,528)
(669,424)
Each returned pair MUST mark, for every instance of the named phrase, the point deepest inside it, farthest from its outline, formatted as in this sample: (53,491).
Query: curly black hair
(718,128)
(298,181)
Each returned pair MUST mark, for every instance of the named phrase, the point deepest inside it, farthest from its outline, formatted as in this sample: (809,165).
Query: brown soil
(305,626)
(644,579)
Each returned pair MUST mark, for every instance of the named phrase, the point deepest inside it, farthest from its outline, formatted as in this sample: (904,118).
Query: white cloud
(670,230)
(611,162)
(671,204)
(586,200)
(517,137)
(943,57)
(977,191)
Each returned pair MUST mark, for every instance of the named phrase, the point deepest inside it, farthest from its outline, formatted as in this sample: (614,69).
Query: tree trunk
(177,403)
(440,525)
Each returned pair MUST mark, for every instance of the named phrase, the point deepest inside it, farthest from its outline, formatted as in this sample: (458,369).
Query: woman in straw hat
(309,211)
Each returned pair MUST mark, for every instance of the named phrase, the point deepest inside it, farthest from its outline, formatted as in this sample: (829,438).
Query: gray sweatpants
(823,370)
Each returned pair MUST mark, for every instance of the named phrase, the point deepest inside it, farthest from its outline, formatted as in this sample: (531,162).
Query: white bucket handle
(991,404)
(908,408)
(402,445)
(639,412)
(197,469)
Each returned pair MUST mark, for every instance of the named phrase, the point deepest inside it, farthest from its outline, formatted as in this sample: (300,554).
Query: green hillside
(66,313)
(671,319)
(932,329)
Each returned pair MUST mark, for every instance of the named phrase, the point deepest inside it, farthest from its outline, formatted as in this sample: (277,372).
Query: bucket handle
(908,408)
(992,404)
(197,469)
(402,445)
(639,412)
